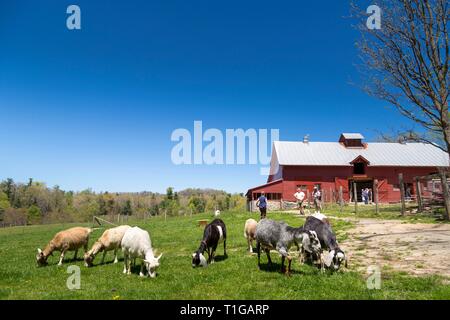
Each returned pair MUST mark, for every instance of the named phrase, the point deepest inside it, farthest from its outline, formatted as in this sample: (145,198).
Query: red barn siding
(332,177)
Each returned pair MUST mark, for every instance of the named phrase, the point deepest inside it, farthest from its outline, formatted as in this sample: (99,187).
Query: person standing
(261,203)
(300,196)
(408,193)
(317,196)
(365,195)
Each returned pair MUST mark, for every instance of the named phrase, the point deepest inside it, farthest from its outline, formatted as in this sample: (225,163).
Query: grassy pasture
(236,277)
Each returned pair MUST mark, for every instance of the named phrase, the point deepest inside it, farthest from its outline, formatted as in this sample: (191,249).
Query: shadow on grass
(220,258)
(275,267)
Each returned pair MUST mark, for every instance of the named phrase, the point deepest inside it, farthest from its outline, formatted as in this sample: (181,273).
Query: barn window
(359,168)
(273,196)
(269,196)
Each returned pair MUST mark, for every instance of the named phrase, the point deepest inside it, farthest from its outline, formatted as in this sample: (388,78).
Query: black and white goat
(322,227)
(214,233)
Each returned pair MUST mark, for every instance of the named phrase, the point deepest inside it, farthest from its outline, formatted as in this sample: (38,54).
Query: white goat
(68,240)
(250,233)
(136,243)
(111,239)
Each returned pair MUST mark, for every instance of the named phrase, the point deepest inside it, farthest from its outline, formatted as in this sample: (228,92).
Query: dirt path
(419,248)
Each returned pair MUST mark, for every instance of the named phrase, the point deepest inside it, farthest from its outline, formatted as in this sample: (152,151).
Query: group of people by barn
(300,197)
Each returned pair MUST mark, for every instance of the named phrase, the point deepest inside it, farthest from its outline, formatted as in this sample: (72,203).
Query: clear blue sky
(95,108)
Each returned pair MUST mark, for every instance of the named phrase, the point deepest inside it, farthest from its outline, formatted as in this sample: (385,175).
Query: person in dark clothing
(261,203)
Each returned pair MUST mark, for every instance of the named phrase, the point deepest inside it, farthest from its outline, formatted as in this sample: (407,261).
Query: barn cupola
(352,140)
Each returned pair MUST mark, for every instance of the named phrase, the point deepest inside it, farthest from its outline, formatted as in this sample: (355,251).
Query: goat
(250,233)
(273,235)
(68,240)
(321,226)
(111,239)
(136,243)
(214,233)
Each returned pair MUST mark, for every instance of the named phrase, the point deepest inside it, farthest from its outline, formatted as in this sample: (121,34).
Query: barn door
(344,184)
(383,190)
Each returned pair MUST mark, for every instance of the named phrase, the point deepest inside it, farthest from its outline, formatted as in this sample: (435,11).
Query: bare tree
(406,63)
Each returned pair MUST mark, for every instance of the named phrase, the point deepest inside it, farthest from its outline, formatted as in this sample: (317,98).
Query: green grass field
(236,277)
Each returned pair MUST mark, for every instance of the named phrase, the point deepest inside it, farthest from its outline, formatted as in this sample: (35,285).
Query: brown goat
(110,240)
(250,232)
(68,240)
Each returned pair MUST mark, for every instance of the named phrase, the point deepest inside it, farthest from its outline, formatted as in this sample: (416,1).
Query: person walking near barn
(261,203)
(365,195)
(317,196)
(300,196)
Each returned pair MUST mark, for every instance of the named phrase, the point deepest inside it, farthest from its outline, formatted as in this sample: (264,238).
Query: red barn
(330,165)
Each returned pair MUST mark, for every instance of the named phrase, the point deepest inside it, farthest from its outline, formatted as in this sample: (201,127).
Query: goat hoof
(141,274)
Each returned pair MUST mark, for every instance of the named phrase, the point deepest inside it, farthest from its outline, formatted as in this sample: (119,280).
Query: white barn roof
(377,153)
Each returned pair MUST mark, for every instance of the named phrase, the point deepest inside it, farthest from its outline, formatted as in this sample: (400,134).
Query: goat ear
(39,250)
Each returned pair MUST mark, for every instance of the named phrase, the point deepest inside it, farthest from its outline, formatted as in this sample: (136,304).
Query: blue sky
(95,108)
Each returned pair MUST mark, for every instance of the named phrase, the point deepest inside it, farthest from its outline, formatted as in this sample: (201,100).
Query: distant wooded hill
(35,203)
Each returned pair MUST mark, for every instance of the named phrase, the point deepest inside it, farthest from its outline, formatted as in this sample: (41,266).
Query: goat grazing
(321,226)
(136,243)
(214,233)
(68,240)
(273,235)
(250,233)
(111,239)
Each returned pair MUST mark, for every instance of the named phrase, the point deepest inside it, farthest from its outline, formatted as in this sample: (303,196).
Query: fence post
(309,202)
(341,198)
(375,196)
(355,196)
(402,192)
(419,195)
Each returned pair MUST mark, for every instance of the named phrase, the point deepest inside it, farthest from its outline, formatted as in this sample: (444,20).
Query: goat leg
(288,273)
(125,261)
(258,250)
(61,259)
(282,264)
(115,256)
(141,274)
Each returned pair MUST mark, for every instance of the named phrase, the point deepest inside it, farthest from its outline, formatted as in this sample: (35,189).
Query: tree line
(35,203)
